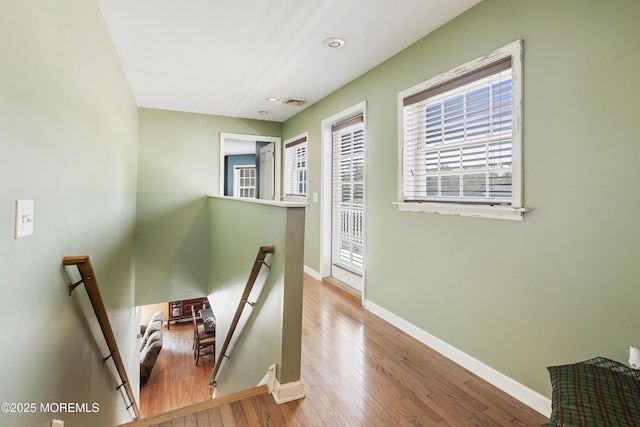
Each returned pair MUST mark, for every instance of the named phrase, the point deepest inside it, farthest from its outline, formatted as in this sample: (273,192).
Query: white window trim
(304,199)
(516,210)
(476,211)
(236,180)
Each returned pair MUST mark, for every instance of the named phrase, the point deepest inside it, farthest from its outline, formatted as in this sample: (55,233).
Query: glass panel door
(348,204)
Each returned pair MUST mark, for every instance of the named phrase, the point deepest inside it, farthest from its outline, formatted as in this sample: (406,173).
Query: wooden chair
(201,340)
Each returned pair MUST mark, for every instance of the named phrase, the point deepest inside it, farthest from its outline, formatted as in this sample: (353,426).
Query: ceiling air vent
(294,101)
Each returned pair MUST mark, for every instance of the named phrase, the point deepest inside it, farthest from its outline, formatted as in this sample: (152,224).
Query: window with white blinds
(460,138)
(295,168)
(348,194)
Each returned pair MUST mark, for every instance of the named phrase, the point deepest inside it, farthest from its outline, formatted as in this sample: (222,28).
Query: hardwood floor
(360,371)
(175,380)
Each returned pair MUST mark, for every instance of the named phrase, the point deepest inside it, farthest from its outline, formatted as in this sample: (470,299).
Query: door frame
(326,185)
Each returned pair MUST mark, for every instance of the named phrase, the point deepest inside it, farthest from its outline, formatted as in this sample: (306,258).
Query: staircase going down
(253,407)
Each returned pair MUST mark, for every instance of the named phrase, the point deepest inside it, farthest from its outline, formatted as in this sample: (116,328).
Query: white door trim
(326,181)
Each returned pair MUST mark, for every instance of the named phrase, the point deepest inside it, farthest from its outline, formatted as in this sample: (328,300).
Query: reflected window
(244,182)
(240,153)
(295,167)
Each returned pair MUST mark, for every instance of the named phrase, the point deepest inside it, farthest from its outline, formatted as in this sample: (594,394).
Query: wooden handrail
(262,253)
(91,285)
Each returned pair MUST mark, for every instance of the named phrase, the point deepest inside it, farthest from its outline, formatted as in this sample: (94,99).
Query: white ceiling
(225,57)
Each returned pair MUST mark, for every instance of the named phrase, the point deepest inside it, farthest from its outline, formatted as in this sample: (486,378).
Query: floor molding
(282,393)
(524,394)
(311,272)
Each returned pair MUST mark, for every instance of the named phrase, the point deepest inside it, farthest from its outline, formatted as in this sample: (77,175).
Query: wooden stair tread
(200,407)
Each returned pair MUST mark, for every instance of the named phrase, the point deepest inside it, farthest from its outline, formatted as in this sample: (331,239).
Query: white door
(267,171)
(347,228)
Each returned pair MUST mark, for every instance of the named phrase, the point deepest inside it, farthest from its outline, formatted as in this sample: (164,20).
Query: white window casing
(295,168)
(460,140)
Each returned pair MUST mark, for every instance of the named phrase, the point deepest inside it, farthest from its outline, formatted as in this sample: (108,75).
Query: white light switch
(24,218)
(315,197)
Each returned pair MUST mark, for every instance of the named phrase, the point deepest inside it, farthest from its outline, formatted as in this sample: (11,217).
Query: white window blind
(460,141)
(348,194)
(296,168)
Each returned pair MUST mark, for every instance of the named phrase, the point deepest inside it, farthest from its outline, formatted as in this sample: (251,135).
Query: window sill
(284,204)
(476,211)
(297,199)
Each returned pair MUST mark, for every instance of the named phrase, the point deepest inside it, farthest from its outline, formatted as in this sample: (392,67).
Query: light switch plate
(24,218)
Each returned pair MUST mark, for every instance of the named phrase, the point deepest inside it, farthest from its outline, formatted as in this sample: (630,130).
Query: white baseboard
(311,272)
(282,393)
(269,378)
(524,394)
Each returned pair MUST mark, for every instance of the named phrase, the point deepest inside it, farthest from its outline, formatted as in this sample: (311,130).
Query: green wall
(271,331)
(178,167)
(560,287)
(68,141)
(187,244)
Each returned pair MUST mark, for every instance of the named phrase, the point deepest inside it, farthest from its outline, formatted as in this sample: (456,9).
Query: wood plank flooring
(175,380)
(360,371)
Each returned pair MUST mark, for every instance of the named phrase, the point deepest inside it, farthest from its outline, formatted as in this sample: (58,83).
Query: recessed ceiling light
(263,112)
(273,99)
(334,42)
